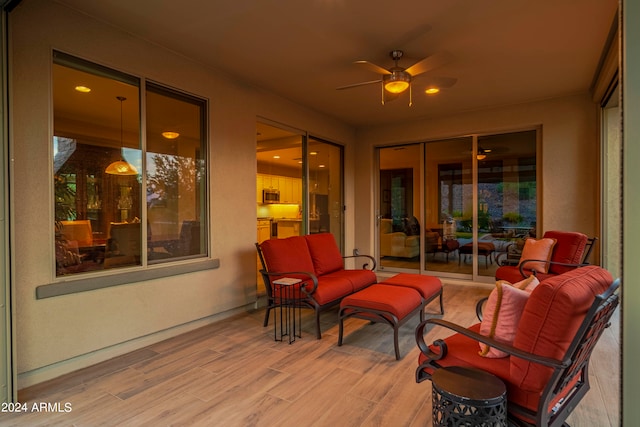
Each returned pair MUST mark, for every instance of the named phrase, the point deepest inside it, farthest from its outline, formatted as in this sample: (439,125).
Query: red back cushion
(325,255)
(569,249)
(551,319)
(290,254)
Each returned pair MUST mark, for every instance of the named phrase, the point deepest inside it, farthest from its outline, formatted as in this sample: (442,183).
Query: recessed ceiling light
(432,90)
(313,153)
(321,166)
(83,89)
(170,134)
(276,157)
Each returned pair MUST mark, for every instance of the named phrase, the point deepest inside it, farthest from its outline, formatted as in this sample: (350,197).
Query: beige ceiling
(504,51)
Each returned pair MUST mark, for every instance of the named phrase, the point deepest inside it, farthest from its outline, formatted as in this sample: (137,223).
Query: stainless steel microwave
(269,195)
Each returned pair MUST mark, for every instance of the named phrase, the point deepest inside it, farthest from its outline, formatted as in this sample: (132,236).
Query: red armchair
(546,368)
(571,250)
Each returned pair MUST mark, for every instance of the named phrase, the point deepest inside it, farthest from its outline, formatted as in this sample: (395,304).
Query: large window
(122,200)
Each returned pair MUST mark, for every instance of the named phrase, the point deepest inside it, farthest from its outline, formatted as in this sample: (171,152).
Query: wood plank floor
(232,373)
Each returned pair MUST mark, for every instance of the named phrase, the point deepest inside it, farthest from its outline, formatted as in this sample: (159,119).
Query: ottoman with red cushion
(430,287)
(385,303)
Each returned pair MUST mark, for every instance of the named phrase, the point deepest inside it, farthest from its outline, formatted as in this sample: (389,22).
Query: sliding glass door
(457,207)
(399,230)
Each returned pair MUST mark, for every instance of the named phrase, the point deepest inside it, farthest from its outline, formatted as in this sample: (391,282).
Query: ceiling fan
(396,79)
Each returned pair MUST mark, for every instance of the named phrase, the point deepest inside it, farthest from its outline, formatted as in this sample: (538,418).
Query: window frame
(82,282)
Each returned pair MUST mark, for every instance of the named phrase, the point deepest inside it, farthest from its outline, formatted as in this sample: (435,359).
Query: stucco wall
(569,158)
(60,334)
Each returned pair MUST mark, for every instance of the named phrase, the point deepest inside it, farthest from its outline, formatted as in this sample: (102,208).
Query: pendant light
(121,167)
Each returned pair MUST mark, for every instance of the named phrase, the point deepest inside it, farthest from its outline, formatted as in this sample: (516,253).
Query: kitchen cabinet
(259,187)
(290,188)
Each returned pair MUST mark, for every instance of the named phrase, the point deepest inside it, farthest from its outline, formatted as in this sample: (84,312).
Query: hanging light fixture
(121,167)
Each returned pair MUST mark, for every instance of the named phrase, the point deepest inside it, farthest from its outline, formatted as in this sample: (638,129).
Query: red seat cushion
(428,286)
(569,249)
(331,288)
(464,351)
(325,255)
(359,279)
(391,299)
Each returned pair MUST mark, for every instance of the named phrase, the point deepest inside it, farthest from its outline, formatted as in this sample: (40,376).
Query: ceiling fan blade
(429,63)
(358,84)
(373,67)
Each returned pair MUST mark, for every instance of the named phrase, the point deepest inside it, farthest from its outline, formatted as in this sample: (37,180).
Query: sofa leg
(270,305)
(318,333)
(266,316)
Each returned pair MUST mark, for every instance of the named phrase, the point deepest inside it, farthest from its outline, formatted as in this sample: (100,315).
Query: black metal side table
(468,397)
(288,305)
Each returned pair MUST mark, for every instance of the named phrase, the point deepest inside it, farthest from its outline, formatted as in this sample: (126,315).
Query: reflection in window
(175,175)
(98,171)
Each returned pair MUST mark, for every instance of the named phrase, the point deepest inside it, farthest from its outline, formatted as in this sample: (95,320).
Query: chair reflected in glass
(76,249)
(123,245)
(78,231)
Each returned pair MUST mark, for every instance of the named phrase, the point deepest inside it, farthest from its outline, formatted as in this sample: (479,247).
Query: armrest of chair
(441,344)
(564,264)
(480,307)
(267,275)
(365,265)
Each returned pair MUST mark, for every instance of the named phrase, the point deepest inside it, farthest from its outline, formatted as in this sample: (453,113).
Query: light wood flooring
(232,373)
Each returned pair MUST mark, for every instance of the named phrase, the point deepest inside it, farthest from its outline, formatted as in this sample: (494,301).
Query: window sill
(74,285)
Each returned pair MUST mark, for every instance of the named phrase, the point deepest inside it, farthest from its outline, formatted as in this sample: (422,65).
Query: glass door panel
(325,211)
(449,207)
(279,180)
(507,197)
(399,207)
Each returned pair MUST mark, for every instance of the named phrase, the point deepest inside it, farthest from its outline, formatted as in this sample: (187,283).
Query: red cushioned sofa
(546,368)
(316,260)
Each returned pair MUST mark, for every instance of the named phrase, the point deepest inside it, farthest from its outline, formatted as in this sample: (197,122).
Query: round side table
(468,397)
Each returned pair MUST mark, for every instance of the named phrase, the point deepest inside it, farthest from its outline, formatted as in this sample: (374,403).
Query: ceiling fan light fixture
(397,81)
(170,134)
(432,90)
